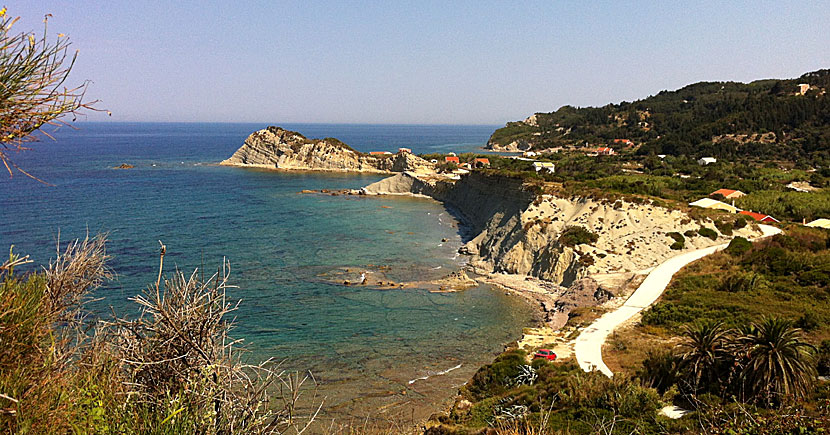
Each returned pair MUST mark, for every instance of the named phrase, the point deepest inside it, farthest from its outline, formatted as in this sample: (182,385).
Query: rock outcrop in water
(277,148)
(514,230)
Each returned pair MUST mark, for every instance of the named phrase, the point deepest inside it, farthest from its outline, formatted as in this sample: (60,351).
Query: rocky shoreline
(511,230)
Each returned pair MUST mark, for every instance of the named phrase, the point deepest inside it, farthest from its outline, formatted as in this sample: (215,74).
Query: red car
(546,354)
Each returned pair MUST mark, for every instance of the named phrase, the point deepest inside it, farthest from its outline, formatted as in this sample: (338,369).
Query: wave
(431,374)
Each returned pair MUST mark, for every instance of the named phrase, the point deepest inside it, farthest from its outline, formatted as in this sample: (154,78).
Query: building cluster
(714,204)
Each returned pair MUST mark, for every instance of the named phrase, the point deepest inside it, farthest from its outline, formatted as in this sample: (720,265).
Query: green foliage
(823,358)
(724,227)
(695,120)
(679,240)
(576,235)
(789,205)
(779,364)
(738,247)
(708,232)
(740,222)
(495,378)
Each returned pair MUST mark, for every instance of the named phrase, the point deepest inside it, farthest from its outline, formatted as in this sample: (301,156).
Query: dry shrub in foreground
(174,369)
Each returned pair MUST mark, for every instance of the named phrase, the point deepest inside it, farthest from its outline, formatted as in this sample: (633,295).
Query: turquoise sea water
(289,252)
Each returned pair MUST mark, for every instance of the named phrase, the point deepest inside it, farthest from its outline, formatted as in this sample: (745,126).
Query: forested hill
(772,119)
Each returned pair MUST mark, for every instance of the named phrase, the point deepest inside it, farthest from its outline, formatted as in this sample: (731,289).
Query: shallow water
(373,351)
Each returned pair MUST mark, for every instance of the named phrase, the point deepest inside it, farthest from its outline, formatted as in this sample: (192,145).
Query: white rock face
(277,148)
(515,231)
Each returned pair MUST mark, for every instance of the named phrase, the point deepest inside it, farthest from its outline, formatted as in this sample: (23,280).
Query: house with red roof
(760,217)
(625,142)
(605,151)
(404,150)
(728,193)
(379,153)
(452,159)
(481,162)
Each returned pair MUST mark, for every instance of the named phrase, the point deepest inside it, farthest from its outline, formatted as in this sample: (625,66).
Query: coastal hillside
(767,119)
(277,148)
(560,239)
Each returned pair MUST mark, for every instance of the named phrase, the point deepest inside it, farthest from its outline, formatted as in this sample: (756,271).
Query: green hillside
(766,119)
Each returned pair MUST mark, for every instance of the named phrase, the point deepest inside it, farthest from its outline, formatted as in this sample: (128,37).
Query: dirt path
(588,345)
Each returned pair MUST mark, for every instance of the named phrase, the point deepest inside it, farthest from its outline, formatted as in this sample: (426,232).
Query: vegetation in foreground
(174,369)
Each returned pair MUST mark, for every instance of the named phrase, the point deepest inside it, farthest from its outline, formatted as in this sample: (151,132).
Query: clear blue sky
(474,62)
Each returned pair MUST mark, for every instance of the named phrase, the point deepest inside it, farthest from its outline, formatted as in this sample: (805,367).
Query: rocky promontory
(277,148)
(515,230)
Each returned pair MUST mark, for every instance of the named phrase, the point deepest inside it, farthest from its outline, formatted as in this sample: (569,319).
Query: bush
(738,247)
(495,378)
(823,358)
(666,313)
(576,235)
(740,282)
(807,322)
(724,227)
(659,370)
(708,232)
(740,222)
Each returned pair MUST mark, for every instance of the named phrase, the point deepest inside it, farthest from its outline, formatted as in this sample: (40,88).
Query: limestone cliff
(517,231)
(277,148)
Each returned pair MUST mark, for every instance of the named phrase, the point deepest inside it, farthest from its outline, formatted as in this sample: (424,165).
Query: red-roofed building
(404,150)
(480,163)
(605,151)
(760,217)
(728,193)
(625,142)
(379,153)
(452,159)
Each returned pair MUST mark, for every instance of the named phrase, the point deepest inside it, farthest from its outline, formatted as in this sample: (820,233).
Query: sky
(419,62)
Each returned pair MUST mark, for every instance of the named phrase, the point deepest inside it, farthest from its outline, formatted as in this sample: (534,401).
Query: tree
(33,71)
(704,349)
(779,364)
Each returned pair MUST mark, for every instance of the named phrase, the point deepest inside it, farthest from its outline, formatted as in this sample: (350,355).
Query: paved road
(588,345)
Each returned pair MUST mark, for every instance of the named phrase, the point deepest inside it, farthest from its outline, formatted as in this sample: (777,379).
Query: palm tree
(703,352)
(779,365)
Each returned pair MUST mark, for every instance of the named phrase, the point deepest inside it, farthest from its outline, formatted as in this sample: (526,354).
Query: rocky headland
(277,148)
(516,237)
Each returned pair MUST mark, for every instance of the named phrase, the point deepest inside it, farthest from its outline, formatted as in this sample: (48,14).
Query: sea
(376,353)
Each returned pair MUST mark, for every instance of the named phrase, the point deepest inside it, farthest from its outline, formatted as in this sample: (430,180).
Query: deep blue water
(288,251)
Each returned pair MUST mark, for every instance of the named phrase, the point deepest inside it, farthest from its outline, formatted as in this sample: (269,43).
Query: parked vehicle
(546,354)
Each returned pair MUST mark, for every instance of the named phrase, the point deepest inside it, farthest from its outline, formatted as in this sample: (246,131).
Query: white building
(803,88)
(820,223)
(703,161)
(547,166)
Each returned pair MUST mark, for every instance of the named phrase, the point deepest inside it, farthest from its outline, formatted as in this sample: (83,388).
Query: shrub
(677,246)
(738,247)
(659,370)
(807,322)
(576,235)
(740,282)
(724,227)
(823,358)
(740,222)
(495,378)
(665,313)
(708,232)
